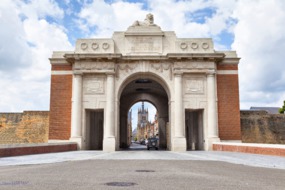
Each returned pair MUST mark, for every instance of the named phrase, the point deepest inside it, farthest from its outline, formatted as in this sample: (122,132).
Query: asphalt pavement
(138,168)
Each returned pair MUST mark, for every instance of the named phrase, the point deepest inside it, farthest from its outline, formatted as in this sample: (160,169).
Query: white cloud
(260,41)
(108,17)
(45,37)
(100,19)
(29,41)
(40,9)
(30,35)
(14,52)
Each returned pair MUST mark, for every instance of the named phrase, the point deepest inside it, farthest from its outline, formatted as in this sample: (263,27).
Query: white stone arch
(122,83)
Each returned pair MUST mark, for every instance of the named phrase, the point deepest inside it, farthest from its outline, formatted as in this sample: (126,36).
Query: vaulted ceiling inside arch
(144,89)
(144,86)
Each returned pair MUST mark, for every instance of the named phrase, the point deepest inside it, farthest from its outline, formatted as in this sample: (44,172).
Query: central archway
(147,88)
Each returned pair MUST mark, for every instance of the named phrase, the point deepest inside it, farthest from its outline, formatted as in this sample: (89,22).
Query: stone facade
(144,63)
(261,127)
(26,127)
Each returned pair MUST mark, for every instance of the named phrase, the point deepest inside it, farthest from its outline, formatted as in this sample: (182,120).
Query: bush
(281,110)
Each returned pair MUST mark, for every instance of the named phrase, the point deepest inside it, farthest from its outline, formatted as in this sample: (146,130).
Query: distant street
(137,146)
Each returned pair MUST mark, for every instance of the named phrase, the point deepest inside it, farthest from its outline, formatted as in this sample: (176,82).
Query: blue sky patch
(200,16)
(225,38)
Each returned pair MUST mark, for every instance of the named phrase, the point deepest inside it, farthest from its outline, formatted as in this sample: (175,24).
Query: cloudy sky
(32,29)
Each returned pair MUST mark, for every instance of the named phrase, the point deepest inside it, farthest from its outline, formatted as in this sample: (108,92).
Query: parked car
(143,142)
(152,143)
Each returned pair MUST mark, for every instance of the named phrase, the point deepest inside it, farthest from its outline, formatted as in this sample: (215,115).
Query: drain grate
(144,170)
(120,184)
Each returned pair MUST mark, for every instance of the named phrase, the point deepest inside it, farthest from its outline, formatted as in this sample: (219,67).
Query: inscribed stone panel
(194,85)
(144,44)
(93,85)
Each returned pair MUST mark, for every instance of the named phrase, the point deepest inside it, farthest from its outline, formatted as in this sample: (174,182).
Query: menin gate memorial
(194,88)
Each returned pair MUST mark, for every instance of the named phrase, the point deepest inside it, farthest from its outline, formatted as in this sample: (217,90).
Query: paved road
(141,174)
(143,170)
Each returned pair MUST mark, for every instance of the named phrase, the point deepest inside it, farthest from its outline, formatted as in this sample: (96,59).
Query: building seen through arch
(145,127)
(193,87)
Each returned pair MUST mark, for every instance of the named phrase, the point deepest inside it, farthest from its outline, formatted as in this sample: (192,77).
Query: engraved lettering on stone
(145,44)
(95,46)
(183,45)
(180,65)
(205,45)
(93,85)
(190,65)
(194,45)
(194,86)
(94,66)
(84,46)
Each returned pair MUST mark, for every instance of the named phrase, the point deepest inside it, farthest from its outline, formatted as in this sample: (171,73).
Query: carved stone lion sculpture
(148,21)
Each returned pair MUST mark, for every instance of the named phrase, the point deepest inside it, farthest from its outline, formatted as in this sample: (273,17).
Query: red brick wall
(227,67)
(61,68)
(250,149)
(60,105)
(38,149)
(228,104)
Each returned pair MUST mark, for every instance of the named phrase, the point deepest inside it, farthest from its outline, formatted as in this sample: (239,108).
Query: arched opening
(142,125)
(144,89)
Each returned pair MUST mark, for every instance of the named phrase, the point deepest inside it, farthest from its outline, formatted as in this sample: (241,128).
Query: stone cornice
(71,58)
(215,56)
(233,61)
(58,61)
(139,33)
(218,57)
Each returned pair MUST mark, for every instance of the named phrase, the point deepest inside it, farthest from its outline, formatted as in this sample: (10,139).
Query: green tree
(282,110)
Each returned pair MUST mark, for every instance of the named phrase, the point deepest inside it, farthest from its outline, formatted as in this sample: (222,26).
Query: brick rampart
(26,127)
(261,127)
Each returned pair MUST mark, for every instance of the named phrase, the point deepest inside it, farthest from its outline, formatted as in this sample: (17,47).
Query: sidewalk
(230,157)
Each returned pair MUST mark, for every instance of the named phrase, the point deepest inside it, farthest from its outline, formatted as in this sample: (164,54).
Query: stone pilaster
(212,110)
(109,132)
(76,114)
(179,141)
